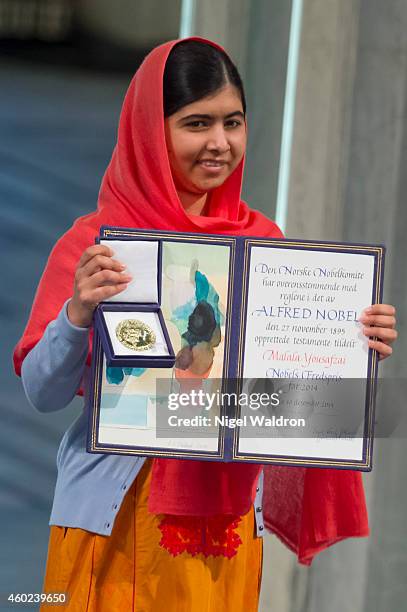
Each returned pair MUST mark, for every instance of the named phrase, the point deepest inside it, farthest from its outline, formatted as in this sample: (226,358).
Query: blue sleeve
(51,372)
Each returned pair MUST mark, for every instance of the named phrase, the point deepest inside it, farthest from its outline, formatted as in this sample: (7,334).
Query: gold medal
(135,335)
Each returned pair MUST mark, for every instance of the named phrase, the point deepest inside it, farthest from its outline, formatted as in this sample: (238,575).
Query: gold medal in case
(135,335)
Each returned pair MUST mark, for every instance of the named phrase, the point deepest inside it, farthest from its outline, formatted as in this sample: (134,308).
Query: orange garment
(129,571)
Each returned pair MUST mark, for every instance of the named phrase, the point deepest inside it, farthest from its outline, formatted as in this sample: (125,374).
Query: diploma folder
(241,314)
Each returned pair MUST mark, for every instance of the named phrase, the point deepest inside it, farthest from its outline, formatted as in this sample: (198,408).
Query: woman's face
(206,140)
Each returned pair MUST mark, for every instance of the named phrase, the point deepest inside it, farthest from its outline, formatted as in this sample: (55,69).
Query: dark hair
(194,70)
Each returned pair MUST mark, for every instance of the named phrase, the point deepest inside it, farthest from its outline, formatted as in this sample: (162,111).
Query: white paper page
(141,259)
(301,325)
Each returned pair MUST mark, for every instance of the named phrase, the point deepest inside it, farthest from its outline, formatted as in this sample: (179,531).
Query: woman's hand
(97,278)
(380,322)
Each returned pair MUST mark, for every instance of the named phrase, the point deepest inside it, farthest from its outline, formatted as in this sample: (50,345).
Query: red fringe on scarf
(207,535)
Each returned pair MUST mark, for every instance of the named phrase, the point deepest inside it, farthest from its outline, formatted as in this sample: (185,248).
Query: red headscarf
(307,508)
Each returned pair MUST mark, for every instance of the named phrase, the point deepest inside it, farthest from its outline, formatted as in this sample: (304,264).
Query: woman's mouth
(212,165)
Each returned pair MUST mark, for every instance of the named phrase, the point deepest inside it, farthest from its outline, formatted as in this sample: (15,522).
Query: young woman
(148,535)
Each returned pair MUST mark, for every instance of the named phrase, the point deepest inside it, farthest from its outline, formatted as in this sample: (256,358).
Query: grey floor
(57,130)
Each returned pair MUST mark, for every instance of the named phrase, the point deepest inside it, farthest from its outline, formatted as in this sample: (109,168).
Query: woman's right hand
(97,278)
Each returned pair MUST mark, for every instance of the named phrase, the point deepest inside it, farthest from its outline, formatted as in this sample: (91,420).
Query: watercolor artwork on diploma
(195,285)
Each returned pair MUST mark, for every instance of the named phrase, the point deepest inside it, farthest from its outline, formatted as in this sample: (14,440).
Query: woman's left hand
(380,322)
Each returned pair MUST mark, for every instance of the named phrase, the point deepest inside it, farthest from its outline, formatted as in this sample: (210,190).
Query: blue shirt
(90,487)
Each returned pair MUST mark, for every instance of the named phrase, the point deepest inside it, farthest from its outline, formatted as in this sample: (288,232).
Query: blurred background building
(326,84)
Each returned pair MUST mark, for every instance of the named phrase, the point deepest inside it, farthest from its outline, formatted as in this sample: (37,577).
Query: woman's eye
(196,124)
(233,123)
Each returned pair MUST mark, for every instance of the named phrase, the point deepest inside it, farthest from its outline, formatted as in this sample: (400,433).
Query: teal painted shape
(115,375)
(180,315)
(201,286)
(134,371)
(204,291)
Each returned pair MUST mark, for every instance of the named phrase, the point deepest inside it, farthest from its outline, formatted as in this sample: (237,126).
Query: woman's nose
(218,140)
